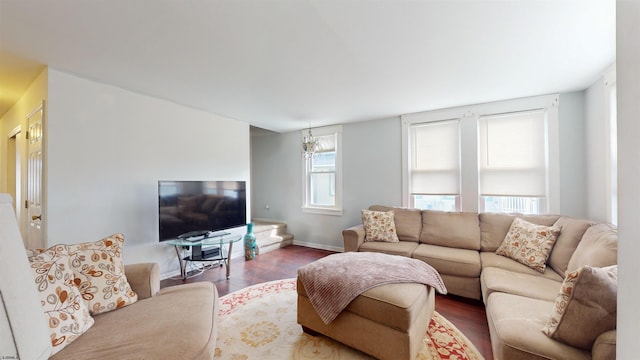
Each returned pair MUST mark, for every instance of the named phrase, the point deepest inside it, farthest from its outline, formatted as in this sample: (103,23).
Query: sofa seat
(515,326)
(493,260)
(401,248)
(450,261)
(459,268)
(510,282)
(177,323)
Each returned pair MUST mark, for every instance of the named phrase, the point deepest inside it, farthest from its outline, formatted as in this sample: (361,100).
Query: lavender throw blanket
(334,281)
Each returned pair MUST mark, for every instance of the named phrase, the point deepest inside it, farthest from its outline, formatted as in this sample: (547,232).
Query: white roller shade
(435,158)
(512,150)
(327,143)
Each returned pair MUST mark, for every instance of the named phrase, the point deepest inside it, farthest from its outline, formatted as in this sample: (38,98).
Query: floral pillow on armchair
(99,274)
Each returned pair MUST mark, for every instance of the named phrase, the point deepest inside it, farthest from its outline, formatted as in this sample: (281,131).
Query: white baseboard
(318,246)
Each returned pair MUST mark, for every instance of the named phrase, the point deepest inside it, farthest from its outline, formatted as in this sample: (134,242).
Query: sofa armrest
(353,237)
(144,279)
(604,348)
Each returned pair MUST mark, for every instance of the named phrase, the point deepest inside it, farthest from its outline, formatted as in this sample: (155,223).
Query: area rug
(259,322)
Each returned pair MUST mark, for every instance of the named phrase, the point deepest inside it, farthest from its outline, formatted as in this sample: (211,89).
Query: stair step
(271,235)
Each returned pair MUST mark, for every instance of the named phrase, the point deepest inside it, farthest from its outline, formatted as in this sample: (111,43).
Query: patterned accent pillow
(529,244)
(585,307)
(99,273)
(379,226)
(66,312)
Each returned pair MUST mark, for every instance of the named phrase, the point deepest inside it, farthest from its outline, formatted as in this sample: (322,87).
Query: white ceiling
(287,64)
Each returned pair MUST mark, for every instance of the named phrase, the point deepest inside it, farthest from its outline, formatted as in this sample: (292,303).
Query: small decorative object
(249,243)
(309,145)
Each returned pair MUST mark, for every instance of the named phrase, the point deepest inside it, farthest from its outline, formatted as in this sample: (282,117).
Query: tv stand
(219,240)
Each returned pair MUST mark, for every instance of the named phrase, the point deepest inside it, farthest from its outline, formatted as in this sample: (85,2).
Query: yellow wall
(14,118)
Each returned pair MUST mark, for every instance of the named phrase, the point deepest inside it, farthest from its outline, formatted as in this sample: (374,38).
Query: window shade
(327,143)
(513,154)
(435,158)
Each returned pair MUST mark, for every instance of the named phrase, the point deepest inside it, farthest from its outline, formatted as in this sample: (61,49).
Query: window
(512,162)
(322,174)
(435,165)
(494,157)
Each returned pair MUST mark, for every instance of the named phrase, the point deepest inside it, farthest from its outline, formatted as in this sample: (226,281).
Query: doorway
(15,148)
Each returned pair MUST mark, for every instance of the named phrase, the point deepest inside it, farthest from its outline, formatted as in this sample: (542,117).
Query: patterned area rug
(259,322)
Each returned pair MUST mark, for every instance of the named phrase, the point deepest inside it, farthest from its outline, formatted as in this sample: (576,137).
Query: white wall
(628,86)
(372,161)
(108,147)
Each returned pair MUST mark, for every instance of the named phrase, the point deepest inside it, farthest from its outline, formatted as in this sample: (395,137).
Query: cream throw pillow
(529,244)
(64,309)
(100,276)
(379,226)
(585,307)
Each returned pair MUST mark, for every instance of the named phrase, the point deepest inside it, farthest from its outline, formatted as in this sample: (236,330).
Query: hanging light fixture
(309,145)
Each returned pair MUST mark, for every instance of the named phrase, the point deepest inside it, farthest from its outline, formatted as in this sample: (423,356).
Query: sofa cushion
(65,311)
(585,306)
(402,248)
(529,244)
(490,259)
(408,221)
(494,227)
(178,323)
(514,325)
(598,247)
(571,231)
(379,226)
(534,286)
(453,229)
(451,261)
(99,274)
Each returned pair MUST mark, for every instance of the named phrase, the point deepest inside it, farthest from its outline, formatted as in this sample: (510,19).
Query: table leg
(227,262)
(183,271)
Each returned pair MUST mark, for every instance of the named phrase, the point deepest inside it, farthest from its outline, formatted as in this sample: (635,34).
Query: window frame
(337,208)
(468,117)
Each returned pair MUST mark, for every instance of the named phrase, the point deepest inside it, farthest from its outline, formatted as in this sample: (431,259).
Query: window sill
(322,211)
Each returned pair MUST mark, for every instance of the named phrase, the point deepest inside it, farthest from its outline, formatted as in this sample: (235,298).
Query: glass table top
(215,240)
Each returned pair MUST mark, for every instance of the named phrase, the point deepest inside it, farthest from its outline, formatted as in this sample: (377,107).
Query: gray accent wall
(573,182)
(372,168)
(371,172)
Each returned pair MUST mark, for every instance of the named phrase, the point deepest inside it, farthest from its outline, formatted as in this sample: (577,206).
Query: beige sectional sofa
(518,299)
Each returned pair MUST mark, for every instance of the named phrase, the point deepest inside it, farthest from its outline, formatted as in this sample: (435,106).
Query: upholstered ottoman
(386,322)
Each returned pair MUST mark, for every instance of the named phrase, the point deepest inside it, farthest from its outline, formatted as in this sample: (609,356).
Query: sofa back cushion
(571,231)
(494,227)
(408,221)
(452,229)
(598,248)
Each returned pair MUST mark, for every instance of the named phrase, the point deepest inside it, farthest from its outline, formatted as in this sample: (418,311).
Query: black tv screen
(200,206)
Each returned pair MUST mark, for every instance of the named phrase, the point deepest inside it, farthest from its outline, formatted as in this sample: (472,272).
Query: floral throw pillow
(379,226)
(99,274)
(66,312)
(529,244)
(585,307)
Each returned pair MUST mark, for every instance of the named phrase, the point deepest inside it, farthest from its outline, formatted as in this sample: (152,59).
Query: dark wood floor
(467,315)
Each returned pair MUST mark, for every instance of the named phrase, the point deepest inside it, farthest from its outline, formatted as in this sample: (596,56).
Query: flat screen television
(187,207)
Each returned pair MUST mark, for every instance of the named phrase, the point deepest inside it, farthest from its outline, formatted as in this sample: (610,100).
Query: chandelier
(309,145)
